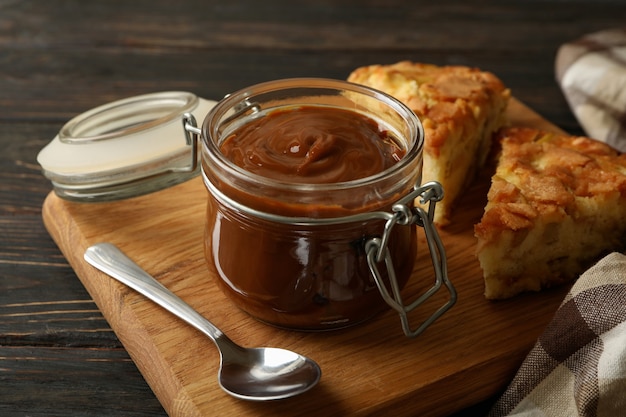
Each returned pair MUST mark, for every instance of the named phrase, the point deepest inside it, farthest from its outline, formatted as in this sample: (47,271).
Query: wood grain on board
(468,355)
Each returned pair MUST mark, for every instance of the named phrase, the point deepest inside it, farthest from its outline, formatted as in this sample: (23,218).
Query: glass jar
(313,256)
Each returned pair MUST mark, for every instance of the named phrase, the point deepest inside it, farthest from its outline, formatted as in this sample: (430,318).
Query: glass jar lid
(124,148)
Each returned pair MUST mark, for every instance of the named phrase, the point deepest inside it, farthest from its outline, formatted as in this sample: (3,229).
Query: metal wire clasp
(192,132)
(378,252)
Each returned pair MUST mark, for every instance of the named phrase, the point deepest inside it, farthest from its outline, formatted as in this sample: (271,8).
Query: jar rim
(210,125)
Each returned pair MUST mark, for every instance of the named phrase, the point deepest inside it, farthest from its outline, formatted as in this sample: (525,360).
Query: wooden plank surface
(467,356)
(61,58)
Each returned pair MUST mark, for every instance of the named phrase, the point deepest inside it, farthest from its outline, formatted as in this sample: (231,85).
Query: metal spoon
(257,374)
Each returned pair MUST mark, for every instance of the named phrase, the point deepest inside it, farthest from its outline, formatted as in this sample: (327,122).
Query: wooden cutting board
(468,355)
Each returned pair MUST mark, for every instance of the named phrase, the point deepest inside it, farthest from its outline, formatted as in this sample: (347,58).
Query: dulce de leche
(312,145)
(283,235)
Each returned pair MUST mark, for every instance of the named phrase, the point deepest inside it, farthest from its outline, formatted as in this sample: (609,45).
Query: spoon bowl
(256,374)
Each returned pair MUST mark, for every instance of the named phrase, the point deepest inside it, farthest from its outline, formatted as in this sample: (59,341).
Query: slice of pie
(557,203)
(460,109)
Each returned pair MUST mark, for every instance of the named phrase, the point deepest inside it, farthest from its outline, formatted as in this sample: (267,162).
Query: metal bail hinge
(192,132)
(377,252)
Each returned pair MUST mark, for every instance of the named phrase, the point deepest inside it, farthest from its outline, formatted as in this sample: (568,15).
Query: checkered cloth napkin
(578,366)
(592,74)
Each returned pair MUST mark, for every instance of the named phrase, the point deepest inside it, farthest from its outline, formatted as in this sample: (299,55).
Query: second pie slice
(557,203)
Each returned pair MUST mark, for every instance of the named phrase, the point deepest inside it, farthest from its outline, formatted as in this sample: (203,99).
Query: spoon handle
(109,259)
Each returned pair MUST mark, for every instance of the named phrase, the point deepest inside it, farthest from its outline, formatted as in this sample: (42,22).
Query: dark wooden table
(58,356)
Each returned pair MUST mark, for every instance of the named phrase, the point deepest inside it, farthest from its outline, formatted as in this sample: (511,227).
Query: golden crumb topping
(446,98)
(543,173)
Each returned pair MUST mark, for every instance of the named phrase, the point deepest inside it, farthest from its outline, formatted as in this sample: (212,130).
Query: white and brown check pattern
(592,74)
(578,365)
